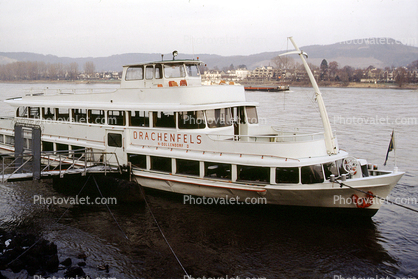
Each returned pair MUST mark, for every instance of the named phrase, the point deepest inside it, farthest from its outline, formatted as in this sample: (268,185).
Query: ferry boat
(204,141)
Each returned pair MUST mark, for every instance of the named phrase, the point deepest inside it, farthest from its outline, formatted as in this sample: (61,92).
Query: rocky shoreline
(23,253)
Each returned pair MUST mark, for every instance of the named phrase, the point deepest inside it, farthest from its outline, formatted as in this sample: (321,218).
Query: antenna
(193,49)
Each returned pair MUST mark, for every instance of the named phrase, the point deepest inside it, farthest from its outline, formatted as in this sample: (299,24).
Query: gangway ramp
(57,164)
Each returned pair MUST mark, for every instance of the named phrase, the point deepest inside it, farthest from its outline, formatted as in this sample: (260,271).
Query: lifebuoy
(363,202)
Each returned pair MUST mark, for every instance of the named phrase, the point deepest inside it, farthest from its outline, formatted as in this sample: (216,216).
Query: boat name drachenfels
(168,139)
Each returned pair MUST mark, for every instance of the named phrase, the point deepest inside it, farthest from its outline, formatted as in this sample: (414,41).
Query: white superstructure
(183,137)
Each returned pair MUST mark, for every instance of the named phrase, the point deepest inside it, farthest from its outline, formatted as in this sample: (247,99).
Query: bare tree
(89,68)
(73,70)
(53,71)
(333,68)
(400,78)
(283,62)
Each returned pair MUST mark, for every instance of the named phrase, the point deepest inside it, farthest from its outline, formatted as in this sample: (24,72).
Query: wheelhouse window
(48,113)
(191,120)
(312,174)
(139,118)
(34,112)
(192,70)
(164,119)
(340,167)
(252,173)
(63,114)
(187,167)
(22,112)
(96,116)
(287,175)
(219,117)
(114,140)
(174,71)
(252,115)
(149,70)
(134,73)
(1,138)
(241,115)
(330,168)
(80,115)
(158,71)
(218,170)
(116,117)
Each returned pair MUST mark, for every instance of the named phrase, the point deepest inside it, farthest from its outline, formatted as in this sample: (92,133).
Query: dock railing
(58,163)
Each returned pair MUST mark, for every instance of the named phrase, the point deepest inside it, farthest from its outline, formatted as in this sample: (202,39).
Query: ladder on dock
(48,164)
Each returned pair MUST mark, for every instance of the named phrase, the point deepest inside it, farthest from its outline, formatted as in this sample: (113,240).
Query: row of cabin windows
(45,146)
(251,174)
(156,71)
(8,140)
(212,118)
(308,174)
(49,146)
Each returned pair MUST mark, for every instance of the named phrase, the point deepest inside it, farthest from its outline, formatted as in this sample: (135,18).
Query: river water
(246,241)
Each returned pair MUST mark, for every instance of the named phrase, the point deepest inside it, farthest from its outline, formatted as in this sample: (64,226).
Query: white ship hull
(321,195)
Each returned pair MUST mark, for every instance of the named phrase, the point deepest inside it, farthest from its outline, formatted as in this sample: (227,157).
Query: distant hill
(360,53)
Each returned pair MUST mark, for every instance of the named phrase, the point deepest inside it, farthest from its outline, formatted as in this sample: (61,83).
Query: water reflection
(264,241)
(209,240)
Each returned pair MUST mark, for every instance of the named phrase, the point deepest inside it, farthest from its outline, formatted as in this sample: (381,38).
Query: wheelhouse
(162,74)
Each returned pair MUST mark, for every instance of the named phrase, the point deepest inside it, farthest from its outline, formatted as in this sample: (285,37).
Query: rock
(2,276)
(81,263)
(67,262)
(103,267)
(32,264)
(74,271)
(42,255)
(16,266)
(52,263)
(82,256)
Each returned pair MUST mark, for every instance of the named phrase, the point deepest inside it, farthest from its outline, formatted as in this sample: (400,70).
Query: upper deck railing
(49,91)
(289,137)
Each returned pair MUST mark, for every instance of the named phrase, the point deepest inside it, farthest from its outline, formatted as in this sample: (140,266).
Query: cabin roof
(176,61)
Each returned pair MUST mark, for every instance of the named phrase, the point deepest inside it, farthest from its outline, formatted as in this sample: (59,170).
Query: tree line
(33,70)
(330,72)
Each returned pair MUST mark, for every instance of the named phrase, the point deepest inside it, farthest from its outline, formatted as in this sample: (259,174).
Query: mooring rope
(109,209)
(161,231)
(376,196)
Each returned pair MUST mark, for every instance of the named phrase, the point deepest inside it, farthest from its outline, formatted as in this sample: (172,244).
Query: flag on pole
(391,146)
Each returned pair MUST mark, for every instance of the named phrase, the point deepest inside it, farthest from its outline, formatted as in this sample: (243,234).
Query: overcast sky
(84,28)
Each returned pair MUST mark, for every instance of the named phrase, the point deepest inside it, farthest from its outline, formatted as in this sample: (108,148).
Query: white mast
(329,137)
